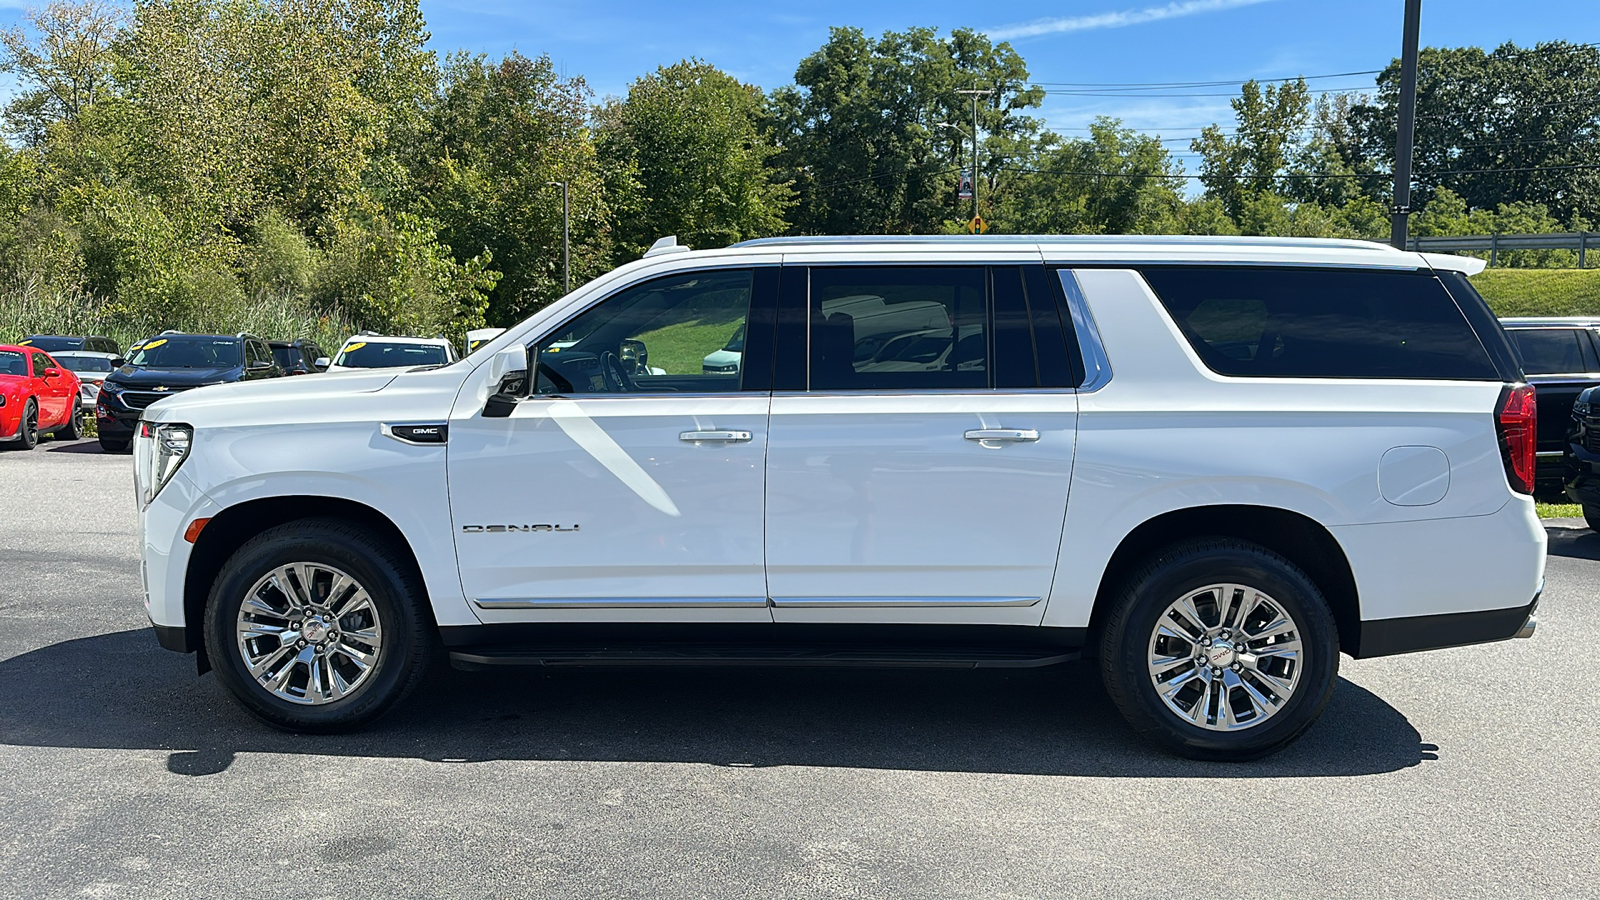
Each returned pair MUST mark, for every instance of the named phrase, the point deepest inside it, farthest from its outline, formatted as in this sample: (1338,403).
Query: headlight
(111,387)
(159,448)
(1580,409)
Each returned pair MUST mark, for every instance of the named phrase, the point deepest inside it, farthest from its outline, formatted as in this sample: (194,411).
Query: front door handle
(1002,434)
(725,437)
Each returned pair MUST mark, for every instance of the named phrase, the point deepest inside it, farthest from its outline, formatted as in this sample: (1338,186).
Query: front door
(922,475)
(631,486)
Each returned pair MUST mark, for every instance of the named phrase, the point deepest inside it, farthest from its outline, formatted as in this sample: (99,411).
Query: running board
(484,658)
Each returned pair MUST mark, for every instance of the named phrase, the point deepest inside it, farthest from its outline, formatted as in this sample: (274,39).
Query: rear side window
(1321,323)
(1553,351)
(899,328)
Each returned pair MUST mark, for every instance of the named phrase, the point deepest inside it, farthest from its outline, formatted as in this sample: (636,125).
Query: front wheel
(1591,516)
(1220,649)
(112,445)
(318,626)
(28,430)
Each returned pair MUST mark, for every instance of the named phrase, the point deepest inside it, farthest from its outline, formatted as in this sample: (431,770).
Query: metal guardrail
(1494,243)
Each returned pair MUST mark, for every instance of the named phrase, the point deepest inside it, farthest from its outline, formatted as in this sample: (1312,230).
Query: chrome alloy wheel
(309,633)
(1225,657)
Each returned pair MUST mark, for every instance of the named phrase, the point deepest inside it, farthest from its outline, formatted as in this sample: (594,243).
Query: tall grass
(31,307)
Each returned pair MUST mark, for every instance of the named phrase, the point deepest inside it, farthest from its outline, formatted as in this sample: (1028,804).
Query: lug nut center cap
(1222,654)
(314,630)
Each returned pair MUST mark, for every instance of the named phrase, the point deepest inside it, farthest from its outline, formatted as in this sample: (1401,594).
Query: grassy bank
(1541,292)
(28,309)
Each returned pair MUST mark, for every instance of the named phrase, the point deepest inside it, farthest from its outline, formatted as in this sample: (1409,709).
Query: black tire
(1168,576)
(73,430)
(28,428)
(408,636)
(1591,515)
(113,445)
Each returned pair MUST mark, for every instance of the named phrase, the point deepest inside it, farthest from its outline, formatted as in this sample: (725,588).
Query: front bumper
(1580,472)
(113,419)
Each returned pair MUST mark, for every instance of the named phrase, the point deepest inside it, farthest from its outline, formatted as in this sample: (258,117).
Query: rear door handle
(725,437)
(1002,434)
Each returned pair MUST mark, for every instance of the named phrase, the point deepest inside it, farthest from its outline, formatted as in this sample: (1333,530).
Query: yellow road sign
(978,226)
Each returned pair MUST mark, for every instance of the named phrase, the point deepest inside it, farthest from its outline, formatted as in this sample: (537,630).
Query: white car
(91,367)
(376,351)
(1212,464)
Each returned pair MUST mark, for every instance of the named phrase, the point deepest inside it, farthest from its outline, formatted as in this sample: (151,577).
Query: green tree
(1116,181)
(499,133)
(1515,125)
(1251,160)
(695,142)
(859,131)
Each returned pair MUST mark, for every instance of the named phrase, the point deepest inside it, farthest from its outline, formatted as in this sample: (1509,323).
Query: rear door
(919,474)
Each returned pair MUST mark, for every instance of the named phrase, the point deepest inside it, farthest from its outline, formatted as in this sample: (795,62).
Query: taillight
(1516,424)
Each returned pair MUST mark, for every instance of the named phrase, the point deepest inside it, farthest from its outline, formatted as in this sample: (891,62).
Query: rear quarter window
(1321,323)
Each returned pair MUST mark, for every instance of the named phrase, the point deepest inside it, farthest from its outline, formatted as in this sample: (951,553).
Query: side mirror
(118,363)
(259,366)
(510,371)
(322,363)
(52,372)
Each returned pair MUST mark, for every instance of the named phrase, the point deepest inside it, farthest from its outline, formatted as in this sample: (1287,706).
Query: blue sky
(1096,41)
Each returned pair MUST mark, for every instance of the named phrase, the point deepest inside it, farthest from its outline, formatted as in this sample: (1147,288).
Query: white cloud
(1122,19)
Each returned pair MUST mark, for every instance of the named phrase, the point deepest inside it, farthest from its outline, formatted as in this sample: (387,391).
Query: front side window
(898,328)
(40,363)
(678,334)
(1553,351)
(1321,323)
(188,352)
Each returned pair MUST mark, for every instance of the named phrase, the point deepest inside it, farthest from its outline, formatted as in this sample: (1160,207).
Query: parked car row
(50,383)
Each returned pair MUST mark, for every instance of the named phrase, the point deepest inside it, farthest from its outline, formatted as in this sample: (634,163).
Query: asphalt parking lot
(1468,772)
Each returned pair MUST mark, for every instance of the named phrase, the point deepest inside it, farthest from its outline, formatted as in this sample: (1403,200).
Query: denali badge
(498,529)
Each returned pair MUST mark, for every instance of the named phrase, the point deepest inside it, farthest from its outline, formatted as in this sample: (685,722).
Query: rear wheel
(74,427)
(318,626)
(1591,515)
(1220,649)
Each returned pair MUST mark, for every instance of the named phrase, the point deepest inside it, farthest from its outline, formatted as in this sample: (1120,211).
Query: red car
(37,396)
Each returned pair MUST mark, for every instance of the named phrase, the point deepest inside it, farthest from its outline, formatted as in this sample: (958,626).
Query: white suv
(369,350)
(1211,464)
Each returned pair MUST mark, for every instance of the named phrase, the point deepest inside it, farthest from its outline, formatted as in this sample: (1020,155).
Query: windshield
(187,352)
(48,343)
(13,363)
(85,363)
(381,355)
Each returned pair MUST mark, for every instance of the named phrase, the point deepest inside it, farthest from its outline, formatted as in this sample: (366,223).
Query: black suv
(1561,358)
(171,362)
(50,343)
(297,357)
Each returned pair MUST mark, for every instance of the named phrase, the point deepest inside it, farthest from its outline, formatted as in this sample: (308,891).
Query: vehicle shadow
(86,445)
(1574,542)
(120,691)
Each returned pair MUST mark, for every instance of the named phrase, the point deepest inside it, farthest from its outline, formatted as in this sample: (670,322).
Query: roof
(87,354)
(394,339)
(1133,249)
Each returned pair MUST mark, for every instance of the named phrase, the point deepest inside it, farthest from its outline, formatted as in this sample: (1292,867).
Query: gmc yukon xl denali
(1212,465)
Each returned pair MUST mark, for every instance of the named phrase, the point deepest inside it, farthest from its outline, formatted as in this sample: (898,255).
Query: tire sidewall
(73,429)
(1188,570)
(390,599)
(28,438)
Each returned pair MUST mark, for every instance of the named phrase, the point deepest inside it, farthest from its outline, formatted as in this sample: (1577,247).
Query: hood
(137,377)
(268,391)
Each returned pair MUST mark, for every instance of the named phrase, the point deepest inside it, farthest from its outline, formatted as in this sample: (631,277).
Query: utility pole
(975,94)
(566,238)
(1405,133)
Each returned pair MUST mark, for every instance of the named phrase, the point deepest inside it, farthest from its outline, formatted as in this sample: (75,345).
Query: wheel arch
(229,529)
(1302,540)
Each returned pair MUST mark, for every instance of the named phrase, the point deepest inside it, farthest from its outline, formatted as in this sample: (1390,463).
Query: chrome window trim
(1096,365)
